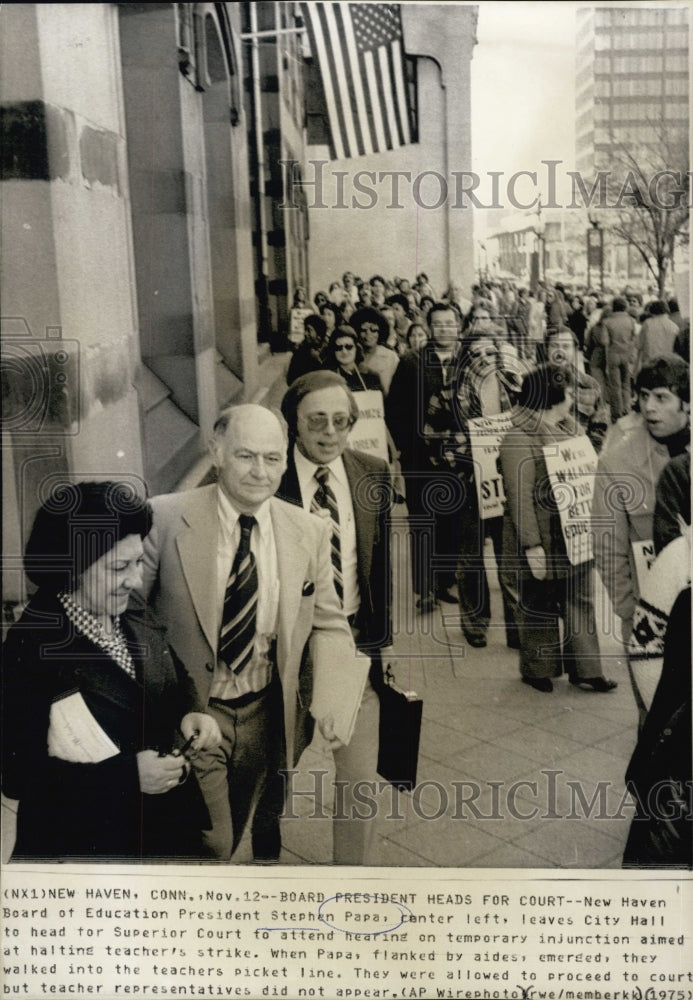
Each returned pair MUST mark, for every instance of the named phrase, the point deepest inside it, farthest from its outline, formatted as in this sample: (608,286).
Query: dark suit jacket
(371,495)
(418,377)
(95,811)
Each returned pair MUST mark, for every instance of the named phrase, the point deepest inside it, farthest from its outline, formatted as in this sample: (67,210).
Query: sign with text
(571,465)
(296,328)
(369,433)
(643,557)
(486,434)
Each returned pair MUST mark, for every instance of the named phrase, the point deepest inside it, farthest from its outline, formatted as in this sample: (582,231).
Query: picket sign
(369,433)
(572,465)
(296,329)
(643,557)
(486,434)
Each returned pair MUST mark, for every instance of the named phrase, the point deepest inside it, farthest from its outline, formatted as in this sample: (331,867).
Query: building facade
(364,218)
(631,76)
(134,298)
(632,101)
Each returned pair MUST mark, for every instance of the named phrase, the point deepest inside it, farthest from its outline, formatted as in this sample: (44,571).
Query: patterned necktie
(237,636)
(324,499)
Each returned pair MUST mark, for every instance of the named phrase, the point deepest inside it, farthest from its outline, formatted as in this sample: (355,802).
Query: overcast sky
(523,87)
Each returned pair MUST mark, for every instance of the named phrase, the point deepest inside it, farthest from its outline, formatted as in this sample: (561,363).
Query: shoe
(599,684)
(446,596)
(539,683)
(426,604)
(475,639)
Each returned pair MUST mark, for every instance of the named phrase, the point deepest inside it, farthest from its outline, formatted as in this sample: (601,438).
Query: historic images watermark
(555,796)
(524,190)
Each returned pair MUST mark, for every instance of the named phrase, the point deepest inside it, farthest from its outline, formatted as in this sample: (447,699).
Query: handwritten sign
(571,465)
(296,328)
(486,434)
(643,557)
(369,433)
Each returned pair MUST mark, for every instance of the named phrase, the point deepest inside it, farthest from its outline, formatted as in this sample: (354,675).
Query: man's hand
(204,729)
(326,727)
(536,557)
(160,774)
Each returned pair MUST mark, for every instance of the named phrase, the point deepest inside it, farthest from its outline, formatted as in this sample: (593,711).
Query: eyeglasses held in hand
(319,421)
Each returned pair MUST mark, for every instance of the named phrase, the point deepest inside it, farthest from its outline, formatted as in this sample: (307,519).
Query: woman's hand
(160,774)
(536,557)
(204,728)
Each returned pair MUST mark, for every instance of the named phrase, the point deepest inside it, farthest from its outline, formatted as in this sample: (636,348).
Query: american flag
(358,47)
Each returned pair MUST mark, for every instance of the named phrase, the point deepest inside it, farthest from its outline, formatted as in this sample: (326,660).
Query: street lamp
(483,262)
(595,251)
(538,229)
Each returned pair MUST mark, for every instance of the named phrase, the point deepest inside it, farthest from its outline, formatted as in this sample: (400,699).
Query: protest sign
(571,465)
(296,328)
(486,434)
(369,433)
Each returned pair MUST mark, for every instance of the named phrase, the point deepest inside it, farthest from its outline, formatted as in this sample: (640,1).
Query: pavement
(508,777)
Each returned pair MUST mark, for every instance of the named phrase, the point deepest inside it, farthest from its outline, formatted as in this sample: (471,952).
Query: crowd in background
(560,362)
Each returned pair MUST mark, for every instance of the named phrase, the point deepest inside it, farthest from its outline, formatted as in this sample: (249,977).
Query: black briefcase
(400,732)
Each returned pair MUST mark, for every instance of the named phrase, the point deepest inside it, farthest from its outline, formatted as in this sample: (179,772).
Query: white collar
(305,469)
(228,514)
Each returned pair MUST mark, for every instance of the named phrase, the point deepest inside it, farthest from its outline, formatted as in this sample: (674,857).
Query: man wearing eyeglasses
(244,584)
(351,491)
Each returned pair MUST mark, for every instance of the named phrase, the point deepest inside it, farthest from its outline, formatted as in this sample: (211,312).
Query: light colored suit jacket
(180,582)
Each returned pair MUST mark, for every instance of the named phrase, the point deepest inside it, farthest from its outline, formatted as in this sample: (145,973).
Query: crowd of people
(274,582)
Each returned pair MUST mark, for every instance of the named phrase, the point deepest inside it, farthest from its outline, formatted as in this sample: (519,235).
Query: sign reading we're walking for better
(572,465)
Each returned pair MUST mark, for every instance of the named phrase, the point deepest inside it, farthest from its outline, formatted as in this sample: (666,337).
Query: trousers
(241,780)
(544,652)
(358,806)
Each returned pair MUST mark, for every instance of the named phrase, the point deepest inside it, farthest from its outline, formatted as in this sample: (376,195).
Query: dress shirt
(258,673)
(339,484)
(445,358)
(489,395)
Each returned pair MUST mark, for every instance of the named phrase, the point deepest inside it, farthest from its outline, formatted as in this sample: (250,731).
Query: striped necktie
(237,636)
(324,499)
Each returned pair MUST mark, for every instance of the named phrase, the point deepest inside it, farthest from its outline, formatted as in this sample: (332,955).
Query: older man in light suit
(211,548)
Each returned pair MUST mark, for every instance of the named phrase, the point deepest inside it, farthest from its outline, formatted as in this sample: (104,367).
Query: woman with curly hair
(343,355)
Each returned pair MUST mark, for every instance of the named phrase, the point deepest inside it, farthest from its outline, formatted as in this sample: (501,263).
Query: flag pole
(251,36)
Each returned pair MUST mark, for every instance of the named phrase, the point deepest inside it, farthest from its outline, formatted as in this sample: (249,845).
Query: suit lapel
(292,563)
(289,488)
(197,543)
(364,515)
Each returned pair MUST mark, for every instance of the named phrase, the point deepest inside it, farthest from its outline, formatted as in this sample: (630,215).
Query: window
(678,85)
(676,64)
(677,39)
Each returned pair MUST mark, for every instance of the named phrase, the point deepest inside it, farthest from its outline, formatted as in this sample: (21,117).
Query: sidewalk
(485,729)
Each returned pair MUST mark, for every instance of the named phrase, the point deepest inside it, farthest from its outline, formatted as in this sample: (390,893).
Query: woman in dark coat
(535,562)
(97,708)
(343,355)
(308,355)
